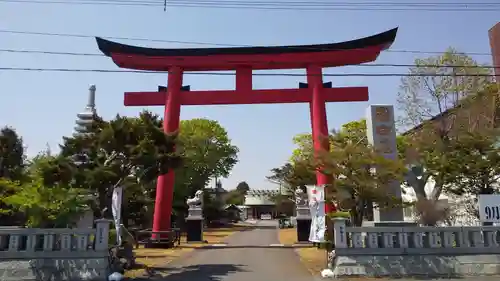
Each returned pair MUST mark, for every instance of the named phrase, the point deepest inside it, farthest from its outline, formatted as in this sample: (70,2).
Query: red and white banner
(316,197)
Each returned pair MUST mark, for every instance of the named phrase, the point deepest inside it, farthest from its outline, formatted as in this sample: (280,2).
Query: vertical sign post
(381,133)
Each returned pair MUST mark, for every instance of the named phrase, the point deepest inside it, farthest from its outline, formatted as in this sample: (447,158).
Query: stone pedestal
(194,224)
(303,224)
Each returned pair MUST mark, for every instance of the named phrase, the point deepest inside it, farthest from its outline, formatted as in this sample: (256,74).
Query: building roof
(255,197)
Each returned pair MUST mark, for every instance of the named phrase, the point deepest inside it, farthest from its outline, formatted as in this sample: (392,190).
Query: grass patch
(314,259)
(288,236)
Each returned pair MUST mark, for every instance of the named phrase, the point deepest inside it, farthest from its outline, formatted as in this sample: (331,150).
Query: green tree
(11,154)
(45,206)
(356,186)
(207,153)
(304,147)
(234,197)
(125,151)
(442,99)
(349,162)
(426,93)
(243,187)
(292,175)
(12,165)
(354,131)
(237,196)
(444,111)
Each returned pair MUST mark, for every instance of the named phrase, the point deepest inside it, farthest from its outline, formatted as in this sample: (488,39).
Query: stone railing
(54,254)
(408,251)
(415,240)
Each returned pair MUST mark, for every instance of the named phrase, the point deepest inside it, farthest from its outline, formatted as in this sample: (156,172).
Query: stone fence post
(102,234)
(339,233)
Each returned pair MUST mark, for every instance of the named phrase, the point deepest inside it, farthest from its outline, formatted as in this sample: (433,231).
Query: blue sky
(42,105)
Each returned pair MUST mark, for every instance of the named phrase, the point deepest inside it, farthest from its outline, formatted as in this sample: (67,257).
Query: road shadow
(264,227)
(253,247)
(232,228)
(200,272)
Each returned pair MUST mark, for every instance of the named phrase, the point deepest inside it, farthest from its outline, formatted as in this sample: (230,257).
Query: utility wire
(298,6)
(256,74)
(357,65)
(20,32)
(299,2)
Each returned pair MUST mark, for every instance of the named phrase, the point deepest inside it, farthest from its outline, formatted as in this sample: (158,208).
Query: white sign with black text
(489,207)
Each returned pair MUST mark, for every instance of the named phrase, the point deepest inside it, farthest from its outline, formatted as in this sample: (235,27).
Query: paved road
(247,257)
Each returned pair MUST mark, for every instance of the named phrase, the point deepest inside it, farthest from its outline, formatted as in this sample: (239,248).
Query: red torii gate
(245,59)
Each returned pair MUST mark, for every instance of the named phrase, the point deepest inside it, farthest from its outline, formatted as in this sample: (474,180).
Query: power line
(358,65)
(307,3)
(233,74)
(20,32)
(297,6)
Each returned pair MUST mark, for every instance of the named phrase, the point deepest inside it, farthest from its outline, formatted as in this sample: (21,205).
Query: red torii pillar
(176,61)
(165,183)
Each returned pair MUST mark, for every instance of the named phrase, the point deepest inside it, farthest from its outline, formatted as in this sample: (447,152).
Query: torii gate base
(311,57)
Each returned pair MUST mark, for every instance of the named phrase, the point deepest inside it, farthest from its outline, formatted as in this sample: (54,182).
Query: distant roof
(260,197)
(232,206)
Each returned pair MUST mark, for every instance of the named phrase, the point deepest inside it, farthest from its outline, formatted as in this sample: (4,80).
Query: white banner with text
(316,197)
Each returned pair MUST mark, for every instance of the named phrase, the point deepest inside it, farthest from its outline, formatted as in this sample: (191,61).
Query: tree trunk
(358,213)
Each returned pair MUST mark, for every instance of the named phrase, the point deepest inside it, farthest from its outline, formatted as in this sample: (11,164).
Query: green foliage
(351,164)
(213,207)
(304,149)
(292,175)
(11,154)
(480,171)
(423,97)
(237,196)
(125,151)
(207,153)
(436,149)
(453,143)
(112,237)
(353,132)
(43,206)
(243,187)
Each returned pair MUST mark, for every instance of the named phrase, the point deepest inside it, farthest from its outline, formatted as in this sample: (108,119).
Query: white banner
(116,208)
(316,197)
(489,208)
